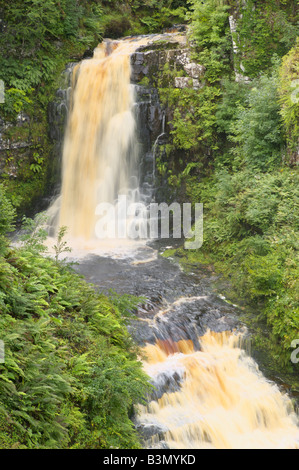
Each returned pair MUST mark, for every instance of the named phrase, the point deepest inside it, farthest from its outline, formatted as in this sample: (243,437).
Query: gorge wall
(166,57)
(30,151)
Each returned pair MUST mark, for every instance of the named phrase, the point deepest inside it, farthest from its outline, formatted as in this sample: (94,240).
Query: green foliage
(7,213)
(233,98)
(289,99)
(249,193)
(152,16)
(71,374)
(61,245)
(36,167)
(15,101)
(7,218)
(253,203)
(264,29)
(257,128)
(211,34)
(250,227)
(164,17)
(194,118)
(33,233)
(192,126)
(34,37)
(193,115)
(91,27)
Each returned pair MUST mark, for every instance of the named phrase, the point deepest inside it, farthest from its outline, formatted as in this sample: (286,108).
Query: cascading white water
(222,402)
(100,151)
(99,155)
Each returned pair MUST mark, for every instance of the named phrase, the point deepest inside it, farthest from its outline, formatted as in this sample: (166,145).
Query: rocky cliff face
(149,119)
(14,141)
(30,150)
(148,63)
(57,117)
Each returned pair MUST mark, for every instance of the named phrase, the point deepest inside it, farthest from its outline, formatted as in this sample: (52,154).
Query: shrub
(264,29)
(289,99)
(258,126)
(7,213)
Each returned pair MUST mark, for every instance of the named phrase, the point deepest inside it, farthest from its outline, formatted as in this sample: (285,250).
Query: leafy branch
(61,245)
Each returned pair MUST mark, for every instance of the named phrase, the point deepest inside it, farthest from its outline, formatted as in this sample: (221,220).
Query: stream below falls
(208,391)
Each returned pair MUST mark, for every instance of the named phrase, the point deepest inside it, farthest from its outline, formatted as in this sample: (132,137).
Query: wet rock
(149,430)
(5,143)
(166,383)
(57,119)
(150,60)
(150,63)
(141,332)
(22,118)
(149,119)
(178,305)
(197,84)
(180,28)
(154,122)
(186,82)
(182,82)
(192,69)
(159,445)
(88,54)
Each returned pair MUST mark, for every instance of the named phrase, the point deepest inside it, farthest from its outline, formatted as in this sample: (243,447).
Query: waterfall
(101,151)
(215,398)
(208,392)
(156,144)
(99,154)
